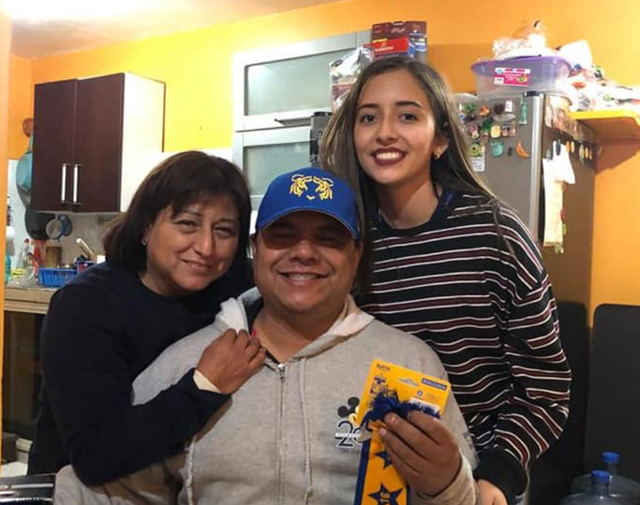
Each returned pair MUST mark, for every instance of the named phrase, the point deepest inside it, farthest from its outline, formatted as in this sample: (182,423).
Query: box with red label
(398,29)
(393,47)
(399,38)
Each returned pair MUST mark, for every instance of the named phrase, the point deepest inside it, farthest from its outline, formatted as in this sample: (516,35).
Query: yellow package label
(378,481)
(410,386)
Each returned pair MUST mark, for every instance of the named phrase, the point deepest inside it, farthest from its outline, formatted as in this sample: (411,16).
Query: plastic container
(514,76)
(83,265)
(598,495)
(23,261)
(7,268)
(55,277)
(621,488)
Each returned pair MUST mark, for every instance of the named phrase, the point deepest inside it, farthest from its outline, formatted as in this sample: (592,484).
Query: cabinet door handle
(75,182)
(293,121)
(63,189)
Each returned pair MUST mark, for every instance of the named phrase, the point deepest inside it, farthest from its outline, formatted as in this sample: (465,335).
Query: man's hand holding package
(422,450)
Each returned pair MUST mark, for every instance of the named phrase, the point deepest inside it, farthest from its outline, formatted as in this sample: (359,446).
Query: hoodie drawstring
(189,482)
(305,426)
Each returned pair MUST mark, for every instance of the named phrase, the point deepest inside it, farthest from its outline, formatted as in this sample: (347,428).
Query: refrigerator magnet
(504,118)
(474,131)
(478,164)
(521,151)
(524,112)
(470,112)
(497,148)
(476,150)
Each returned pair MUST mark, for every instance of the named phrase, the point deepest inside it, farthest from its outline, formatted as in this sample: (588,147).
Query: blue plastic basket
(55,277)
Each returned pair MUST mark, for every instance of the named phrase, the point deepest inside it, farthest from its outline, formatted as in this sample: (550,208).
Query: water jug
(598,493)
(621,488)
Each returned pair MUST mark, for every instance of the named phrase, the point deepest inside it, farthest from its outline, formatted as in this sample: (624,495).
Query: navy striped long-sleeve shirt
(488,311)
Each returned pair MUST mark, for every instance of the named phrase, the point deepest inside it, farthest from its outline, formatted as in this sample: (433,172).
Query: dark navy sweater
(102,329)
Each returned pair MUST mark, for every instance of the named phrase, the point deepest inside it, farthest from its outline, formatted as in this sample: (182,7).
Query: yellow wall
(196,68)
(196,65)
(5,45)
(616,271)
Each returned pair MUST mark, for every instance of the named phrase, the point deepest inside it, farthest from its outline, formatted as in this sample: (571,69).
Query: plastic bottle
(598,494)
(23,261)
(7,267)
(621,488)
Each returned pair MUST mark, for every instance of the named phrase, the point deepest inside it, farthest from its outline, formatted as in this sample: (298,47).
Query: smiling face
(395,132)
(188,251)
(304,264)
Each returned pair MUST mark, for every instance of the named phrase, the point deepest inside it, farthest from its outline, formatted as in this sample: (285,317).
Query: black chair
(552,473)
(613,412)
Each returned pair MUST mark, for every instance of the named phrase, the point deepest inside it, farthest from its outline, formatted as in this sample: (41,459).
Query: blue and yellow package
(388,388)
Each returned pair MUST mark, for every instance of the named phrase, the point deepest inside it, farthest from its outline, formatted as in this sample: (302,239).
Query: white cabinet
(276,91)
(266,154)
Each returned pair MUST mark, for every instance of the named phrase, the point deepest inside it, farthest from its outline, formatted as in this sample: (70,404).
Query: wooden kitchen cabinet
(24,311)
(94,141)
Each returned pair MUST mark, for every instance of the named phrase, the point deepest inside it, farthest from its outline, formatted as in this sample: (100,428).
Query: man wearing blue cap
(288,436)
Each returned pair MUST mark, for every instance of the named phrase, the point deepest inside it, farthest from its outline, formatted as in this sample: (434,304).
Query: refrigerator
(513,140)
(511,137)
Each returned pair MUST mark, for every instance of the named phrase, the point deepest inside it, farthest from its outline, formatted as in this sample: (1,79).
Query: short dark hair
(175,183)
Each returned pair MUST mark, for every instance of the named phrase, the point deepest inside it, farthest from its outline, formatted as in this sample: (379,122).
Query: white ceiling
(62,33)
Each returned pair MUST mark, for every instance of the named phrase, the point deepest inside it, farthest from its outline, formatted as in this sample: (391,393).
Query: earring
(143,241)
(436,155)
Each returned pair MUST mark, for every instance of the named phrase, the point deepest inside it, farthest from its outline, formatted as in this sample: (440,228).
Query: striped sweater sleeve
(537,407)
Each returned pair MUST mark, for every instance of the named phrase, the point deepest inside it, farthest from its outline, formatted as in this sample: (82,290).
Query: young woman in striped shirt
(451,264)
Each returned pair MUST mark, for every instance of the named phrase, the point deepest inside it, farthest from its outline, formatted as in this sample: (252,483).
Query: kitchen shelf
(611,124)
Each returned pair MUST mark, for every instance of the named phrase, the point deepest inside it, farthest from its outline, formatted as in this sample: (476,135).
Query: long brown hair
(452,171)
(175,183)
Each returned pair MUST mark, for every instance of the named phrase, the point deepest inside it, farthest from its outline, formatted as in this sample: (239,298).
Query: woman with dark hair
(172,258)
(447,261)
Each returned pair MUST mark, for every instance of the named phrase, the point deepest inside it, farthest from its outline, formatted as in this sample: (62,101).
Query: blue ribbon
(384,402)
(387,401)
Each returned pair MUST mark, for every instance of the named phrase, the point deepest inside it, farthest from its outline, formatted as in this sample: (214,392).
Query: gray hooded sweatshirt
(287,436)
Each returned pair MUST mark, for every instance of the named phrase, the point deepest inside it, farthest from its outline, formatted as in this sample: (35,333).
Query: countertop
(31,300)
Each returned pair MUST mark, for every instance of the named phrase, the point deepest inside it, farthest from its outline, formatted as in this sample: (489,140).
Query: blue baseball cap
(309,189)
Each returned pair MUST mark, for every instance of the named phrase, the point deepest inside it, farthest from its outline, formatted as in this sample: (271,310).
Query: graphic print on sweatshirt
(347,431)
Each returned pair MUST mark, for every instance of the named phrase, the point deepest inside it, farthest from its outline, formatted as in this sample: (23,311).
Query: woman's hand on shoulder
(229,361)
(490,494)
